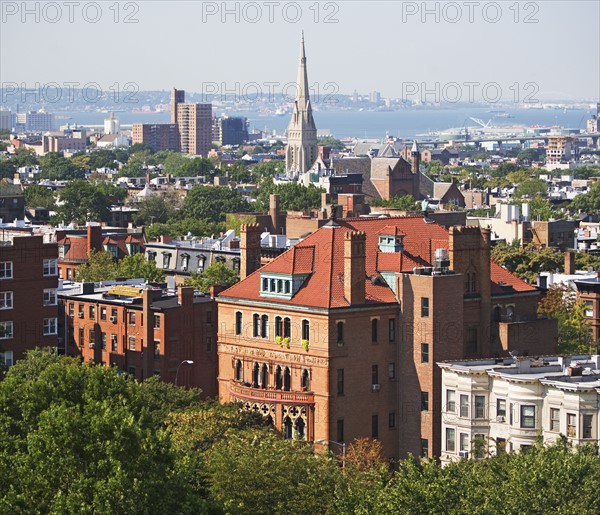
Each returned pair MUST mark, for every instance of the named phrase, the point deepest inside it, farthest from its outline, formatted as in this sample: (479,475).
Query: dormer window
(281,285)
(390,240)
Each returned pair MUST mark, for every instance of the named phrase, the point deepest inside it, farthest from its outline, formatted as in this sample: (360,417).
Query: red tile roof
(322,255)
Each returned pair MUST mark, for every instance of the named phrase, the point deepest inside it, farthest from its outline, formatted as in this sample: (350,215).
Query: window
(238,322)
(92,336)
(50,326)
(374,374)
(80,310)
(571,425)
(450,401)
(156,349)
(479,446)
(6,270)
(264,326)
(375,426)
(6,299)
(392,419)
(479,406)
(501,407)
(391,371)
(50,268)
(6,358)
(71,309)
(528,417)
(132,318)
(424,353)
(340,381)
(287,328)
(374,324)
(554,419)
(156,321)
(81,337)
(500,445)
(113,313)
(424,447)
(340,332)
(209,344)
(424,307)
(450,439)
(278,326)
(305,330)
(209,317)
(6,330)
(464,406)
(305,380)
(103,341)
(392,330)
(256,325)
(113,342)
(511,414)
(464,442)
(340,430)
(587,426)
(239,370)
(472,340)
(102,312)
(166,260)
(92,310)
(424,401)
(132,343)
(589,308)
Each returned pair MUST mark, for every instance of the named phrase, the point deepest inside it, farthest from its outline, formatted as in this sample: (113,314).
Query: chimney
(274,212)
(249,249)
(354,267)
(94,239)
(165,238)
(185,295)
(570,262)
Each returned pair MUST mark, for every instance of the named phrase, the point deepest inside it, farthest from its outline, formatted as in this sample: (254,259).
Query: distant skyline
(383,46)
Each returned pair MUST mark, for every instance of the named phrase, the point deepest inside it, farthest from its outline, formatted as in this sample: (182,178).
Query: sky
(409,50)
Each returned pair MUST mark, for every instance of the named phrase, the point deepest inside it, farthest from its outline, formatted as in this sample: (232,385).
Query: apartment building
(195,128)
(159,136)
(503,405)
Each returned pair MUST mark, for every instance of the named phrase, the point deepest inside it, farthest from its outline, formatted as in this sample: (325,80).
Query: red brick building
(145,331)
(28,305)
(338,337)
(76,245)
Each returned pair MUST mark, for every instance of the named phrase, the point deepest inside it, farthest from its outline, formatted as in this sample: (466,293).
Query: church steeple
(301,151)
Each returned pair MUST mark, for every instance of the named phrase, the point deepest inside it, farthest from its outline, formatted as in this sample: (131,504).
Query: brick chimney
(274,212)
(570,262)
(354,267)
(94,238)
(249,249)
(185,295)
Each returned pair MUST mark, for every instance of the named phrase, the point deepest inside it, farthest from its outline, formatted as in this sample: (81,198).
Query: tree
(136,267)
(527,262)
(159,208)
(588,202)
(334,143)
(83,201)
(58,168)
(217,274)
(531,188)
(292,196)
(213,203)
(39,196)
(235,222)
(100,267)
(406,202)
(574,331)
(528,155)
(184,227)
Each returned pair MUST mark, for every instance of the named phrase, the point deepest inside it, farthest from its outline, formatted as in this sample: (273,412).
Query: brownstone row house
(338,337)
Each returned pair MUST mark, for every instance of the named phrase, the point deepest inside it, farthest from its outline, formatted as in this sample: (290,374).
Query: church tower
(301,151)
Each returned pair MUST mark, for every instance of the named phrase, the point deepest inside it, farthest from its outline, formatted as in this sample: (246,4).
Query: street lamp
(341,444)
(185,361)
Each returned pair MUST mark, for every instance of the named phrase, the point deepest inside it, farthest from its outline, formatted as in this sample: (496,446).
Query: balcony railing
(270,395)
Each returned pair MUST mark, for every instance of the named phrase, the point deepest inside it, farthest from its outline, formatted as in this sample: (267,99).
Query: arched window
(374,330)
(340,332)
(510,313)
(264,376)
(255,374)
(239,370)
(468,282)
(287,379)
(278,378)
(473,282)
(238,322)
(305,381)
(305,330)
(278,326)
(287,427)
(300,427)
(287,328)
(256,325)
(264,326)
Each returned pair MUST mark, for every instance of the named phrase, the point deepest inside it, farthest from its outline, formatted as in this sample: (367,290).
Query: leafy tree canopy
(39,196)
(217,274)
(527,262)
(58,168)
(83,201)
(292,196)
(213,203)
(406,202)
(101,267)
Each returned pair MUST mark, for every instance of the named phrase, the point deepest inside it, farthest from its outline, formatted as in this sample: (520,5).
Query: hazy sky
(548,49)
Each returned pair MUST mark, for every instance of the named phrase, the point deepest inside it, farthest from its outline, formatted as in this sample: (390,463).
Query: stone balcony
(270,395)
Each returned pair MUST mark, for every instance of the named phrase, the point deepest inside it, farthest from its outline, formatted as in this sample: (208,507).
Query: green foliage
(292,196)
(213,203)
(136,266)
(529,155)
(217,274)
(176,228)
(39,196)
(406,202)
(159,208)
(83,201)
(178,165)
(100,267)
(531,188)
(574,330)
(58,168)
(266,169)
(588,202)
(527,262)
(235,222)
(334,143)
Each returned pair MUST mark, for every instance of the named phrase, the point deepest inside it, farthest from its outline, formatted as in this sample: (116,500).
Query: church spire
(302,80)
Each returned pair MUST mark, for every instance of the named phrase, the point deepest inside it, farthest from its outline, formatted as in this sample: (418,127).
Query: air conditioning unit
(80,315)
(500,418)
(463,454)
(92,345)
(376,387)
(113,320)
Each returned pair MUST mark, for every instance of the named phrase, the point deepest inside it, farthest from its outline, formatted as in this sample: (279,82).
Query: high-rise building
(177,97)
(194,122)
(7,120)
(301,151)
(39,121)
(231,130)
(160,136)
